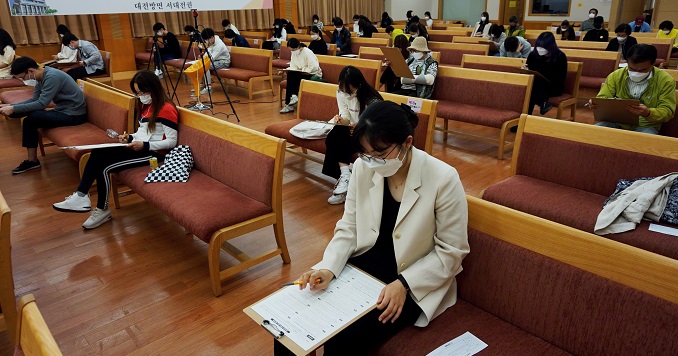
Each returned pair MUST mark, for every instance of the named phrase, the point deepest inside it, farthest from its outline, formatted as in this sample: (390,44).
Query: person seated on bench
(366,27)
(566,31)
(666,30)
(515,47)
(227,25)
(341,37)
(623,42)
(394,32)
(417,30)
(598,34)
(587,25)
(279,35)
(423,67)
(386,20)
(221,57)
(514,29)
(317,23)
(641,80)
(551,62)
(7,54)
(51,85)
(168,46)
(482,27)
(639,25)
(353,96)
(429,20)
(90,63)
(303,65)
(66,55)
(236,39)
(189,30)
(317,44)
(497,36)
(388,78)
(157,133)
(431,239)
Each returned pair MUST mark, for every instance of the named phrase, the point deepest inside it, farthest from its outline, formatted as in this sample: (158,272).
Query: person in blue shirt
(341,37)
(236,39)
(639,25)
(515,47)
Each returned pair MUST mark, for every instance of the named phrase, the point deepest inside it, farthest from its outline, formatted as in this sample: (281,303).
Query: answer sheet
(307,317)
(464,345)
(91,147)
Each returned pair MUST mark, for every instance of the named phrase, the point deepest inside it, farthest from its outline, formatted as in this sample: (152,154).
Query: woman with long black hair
(551,62)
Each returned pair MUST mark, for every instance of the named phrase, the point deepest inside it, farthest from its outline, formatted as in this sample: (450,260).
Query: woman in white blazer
(482,28)
(405,223)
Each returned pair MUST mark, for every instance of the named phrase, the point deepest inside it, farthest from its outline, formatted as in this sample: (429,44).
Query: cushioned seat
(559,99)
(282,130)
(17,96)
(674,54)
(478,115)
(206,206)
(85,134)
(11,83)
(240,74)
(591,82)
(178,63)
(143,57)
(281,63)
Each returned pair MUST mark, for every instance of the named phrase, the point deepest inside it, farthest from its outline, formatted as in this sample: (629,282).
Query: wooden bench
(451,53)
(464,95)
(286,54)
(383,35)
(143,58)
(250,66)
(376,54)
(192,55)
(262,35)
(498,64)
(570,188)
(318,101)
(108,76)
(535,287)
(663,46)
(253,42)
(8,317)
(234,188)
(34,337)
(447,35)
(469,40)
(358,42)
(673,73)
(586,45)
(597,66)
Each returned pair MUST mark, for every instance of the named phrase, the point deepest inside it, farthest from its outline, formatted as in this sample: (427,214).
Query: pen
(318,280)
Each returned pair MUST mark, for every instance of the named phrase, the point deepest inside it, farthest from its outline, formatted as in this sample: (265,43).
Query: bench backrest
(471,40)
(194,51)
(543,278)
(597,157)
(7,298)
(107,57)
(663,46)
(300,37)
(357,42)
(505,91)
(452,53)
(671,128)
(263,35)
(376,54)
(109,109)
(253,42)
(597,64)
(383,35)
(498,64)
(34,338)
(318,101)
(446,35)
(332,66)
(243,159)
(592,46)
(258,60)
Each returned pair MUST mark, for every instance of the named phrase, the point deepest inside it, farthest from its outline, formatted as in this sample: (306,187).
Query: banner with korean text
(71,7)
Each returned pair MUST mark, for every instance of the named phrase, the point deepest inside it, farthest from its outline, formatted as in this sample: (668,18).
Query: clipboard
(398,64)
(533,72)
(614,110)
(278,334)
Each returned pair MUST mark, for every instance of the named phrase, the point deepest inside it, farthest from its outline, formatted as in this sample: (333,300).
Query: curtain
(327,9)
(42,29)
(142,24)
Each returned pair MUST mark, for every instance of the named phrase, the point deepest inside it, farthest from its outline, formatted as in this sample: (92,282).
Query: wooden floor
(139,285)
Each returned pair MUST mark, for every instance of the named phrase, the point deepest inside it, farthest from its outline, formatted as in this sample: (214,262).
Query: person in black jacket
(417,31)
(366,27)
(386,20)
(598,34)
(237,40)
(168,46)
(551,62)
(566,31)
(341,37)
(317,44)
(623,42)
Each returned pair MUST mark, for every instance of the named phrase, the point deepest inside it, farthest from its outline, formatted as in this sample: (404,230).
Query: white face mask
(31,82)
(276,26)
(592,16)
(159,33)
(666,32)
(338,28)
(314,37)
(638,76)
(418,55)
(414,35)
(61,35)
(426,17)
(388,168)
(315,21)
(355,22)
(482,19)
(542,51)
(563,29)
(621,39)
(145,99)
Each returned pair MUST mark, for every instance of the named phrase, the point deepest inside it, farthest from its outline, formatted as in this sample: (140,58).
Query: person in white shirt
(482,27)
(67,55)
(429,20)
(221,57)
(317,22)
(279,35)
(356,27)
(7,55)
(303,65)
(226,23)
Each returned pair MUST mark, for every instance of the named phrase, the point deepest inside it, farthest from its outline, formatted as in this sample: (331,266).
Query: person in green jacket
(514,29)
(641,80)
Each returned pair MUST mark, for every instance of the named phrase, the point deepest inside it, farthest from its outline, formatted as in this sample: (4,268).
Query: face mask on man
(315,21)
(30,82)
(159,33)
(145,99)
(638,76)
(563,29)
(542,51)
(314,37)
(592,15)
(483,18)
(621,39)
(61,35)
(387,167)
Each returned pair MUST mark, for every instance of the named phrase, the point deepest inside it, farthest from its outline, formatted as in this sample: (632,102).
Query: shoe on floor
(26,166)
(337,199)
(545,108)
(286,109)
(293,100)
(74,204)
(206,90)
(158,72)
(97,218)
(342,184)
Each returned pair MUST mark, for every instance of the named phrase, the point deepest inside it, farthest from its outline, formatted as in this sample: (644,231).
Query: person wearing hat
(423,67)
(639,25)
(514,29)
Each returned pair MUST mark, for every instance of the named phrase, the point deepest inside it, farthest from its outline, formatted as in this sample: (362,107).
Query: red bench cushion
(591,82)
(282,130)
(281,63)
(85,134)
(11,83)
(250,62)
(243,75)
(478,115)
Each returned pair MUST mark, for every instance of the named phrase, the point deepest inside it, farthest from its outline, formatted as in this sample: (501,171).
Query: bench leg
(249,89)
(279,232)
(559,114)
(573,111)
(445,126)
(272,90)
(280,96)
(213,255)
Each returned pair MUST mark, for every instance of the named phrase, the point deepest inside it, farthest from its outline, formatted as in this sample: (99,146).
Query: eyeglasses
(377,159)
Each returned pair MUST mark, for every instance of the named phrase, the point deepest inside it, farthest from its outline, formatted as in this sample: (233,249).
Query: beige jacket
(430,235)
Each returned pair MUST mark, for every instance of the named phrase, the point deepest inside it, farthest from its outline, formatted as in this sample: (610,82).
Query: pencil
(318,280)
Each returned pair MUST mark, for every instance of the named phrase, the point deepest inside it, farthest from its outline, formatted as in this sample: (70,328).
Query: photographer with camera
(166,47)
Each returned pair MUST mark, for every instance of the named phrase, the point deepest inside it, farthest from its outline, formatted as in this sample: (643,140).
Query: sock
(81,194)
(345,171)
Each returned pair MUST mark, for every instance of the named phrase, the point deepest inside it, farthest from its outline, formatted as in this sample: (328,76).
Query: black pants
(364,334)
(339,149)
(81,73)
(406,92)
(45,119)
(391,80)
(294,79)
(540,94)
(104,161)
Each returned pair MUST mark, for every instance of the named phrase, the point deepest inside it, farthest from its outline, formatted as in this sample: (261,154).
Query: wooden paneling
(115,33)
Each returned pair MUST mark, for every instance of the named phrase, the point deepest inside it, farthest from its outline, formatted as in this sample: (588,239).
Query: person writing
(666,30)
(386,20)
(550,62)
(427,17)
(51,85)
(496,36)
(279,35)
(587,25)
(515,47)
(317,23)
(168,47)
(623,42)
(157,133)
(341,37)
(90,63)
(7,54)
(303,65)
(423,67)
(566,31)
(639,25)
(388,77)
(236,39)
(641,80)
(66,55)
(514,29)
(405,223)
(482,27)
(221,57)
(394,32)
(366,27)
(317,44)
(417,31)
(598,34)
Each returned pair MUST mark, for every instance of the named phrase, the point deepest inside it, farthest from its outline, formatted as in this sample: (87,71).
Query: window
(550,7)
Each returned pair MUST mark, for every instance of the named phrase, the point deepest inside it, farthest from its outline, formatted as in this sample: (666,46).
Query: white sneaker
(337,199)
(286,109)
(97,218)
(206,90)
(293,100)
(74,204)
(342,184)
(158,72)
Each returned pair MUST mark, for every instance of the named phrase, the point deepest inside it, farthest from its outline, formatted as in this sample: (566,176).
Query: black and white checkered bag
(176,168)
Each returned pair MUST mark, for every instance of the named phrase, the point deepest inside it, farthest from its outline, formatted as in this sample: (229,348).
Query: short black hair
(229,33)
(225,23)
(598,22)
(315,29)
(513,19)
(337,21)
(427,13)
(666,25)
(207,33)
(511,44)
(496,30)
(389,29)
(22,65)
(356,17)
(293,43)
(642,53)
(414,19)
(382,124)
(158,26)
(413,28)
(62,29)
(315,17)
(66,40)
(565,23)
(623,28)
(593,9)
(189,28)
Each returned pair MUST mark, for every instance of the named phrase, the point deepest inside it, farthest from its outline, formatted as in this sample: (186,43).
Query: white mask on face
(592,16)
(426,17)
(388,168)
(315,21)
(621,39)
(145,99)
(417,55)
(666,32)
(483,18)
(61,35)
(30,82)
(159,33)
(638,76)
(563,29)
(542,51)
(314,37)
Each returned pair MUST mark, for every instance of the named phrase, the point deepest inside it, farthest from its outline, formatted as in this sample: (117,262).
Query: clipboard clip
(273,329)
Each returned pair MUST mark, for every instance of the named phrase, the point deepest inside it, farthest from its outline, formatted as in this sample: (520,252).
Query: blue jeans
(614,125)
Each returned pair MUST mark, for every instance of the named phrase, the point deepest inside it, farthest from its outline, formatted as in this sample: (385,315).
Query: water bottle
(112,134)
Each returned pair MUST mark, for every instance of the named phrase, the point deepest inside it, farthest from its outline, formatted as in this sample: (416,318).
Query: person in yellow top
(394,32)
(666,30)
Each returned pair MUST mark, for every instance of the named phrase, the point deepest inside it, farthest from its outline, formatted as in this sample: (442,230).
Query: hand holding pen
(318,280)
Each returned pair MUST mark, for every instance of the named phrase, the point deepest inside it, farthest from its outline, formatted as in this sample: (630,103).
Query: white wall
(398,8)
(492,8)
(579,11)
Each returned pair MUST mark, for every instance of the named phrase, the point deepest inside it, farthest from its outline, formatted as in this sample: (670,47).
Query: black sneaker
(545,108)
(26,166)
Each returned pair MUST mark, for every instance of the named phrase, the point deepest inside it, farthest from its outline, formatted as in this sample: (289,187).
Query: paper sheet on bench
(464,345)
(91,147)
(308,317)
(664,229)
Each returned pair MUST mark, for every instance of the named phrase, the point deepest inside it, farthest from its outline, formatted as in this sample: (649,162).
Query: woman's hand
(392,298)
(123,138)
(136,145)
(592,106)
(640,110)
(340,120)
(324,275)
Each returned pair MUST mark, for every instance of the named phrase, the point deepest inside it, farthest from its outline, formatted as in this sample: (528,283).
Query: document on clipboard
(398,64)
(614,110)
(302,320)
(533,72)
